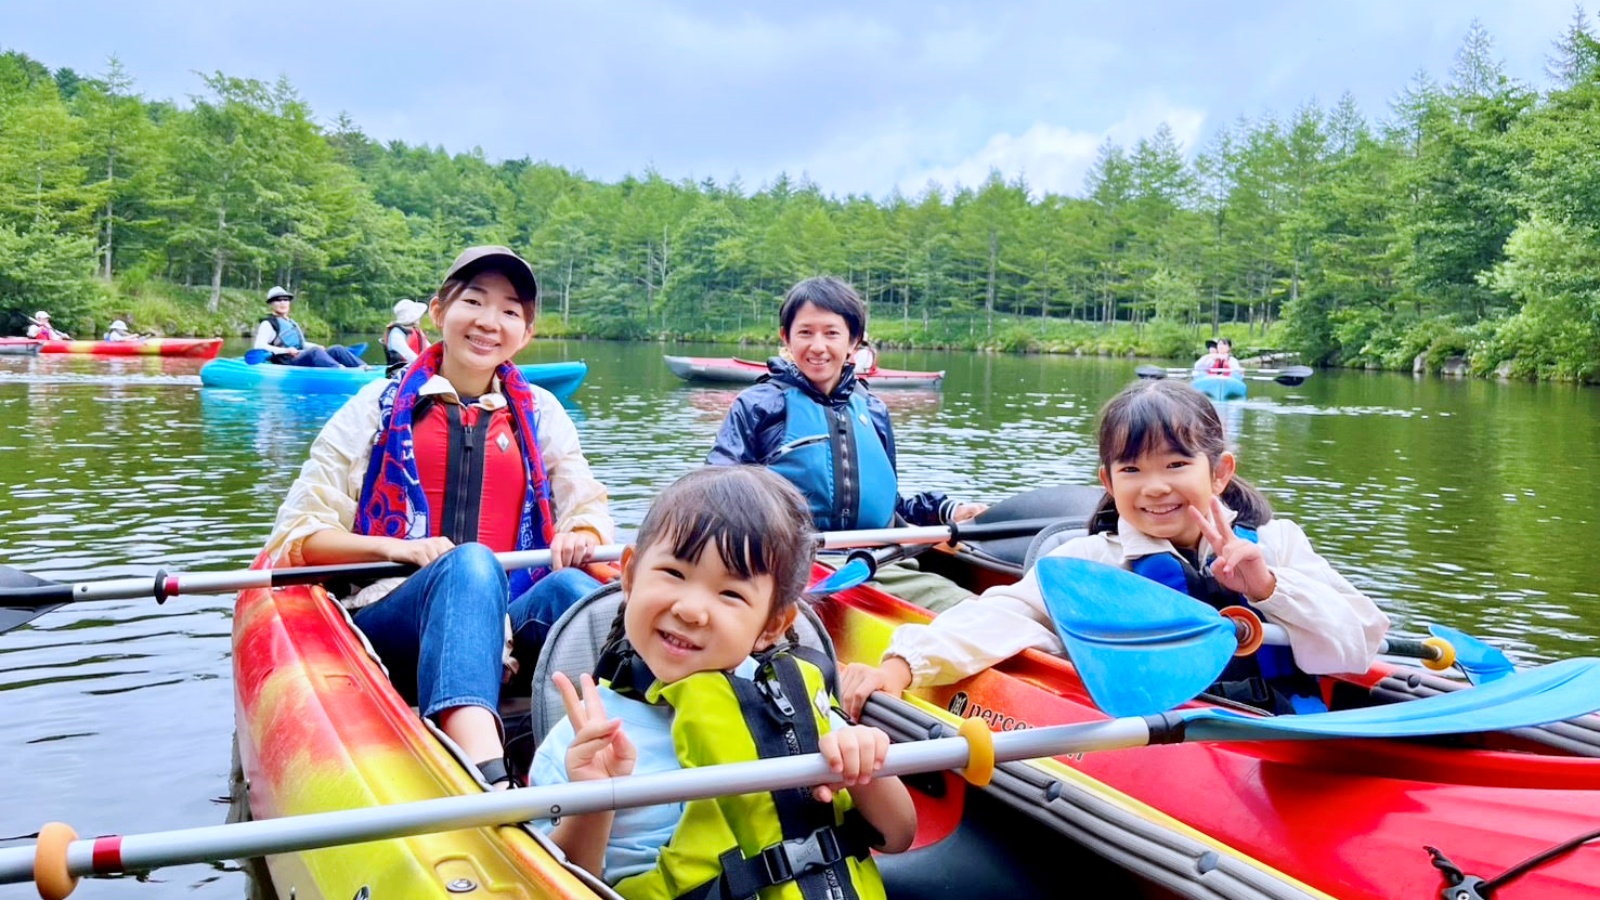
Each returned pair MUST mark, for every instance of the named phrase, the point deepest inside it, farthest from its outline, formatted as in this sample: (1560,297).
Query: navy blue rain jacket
(753,431)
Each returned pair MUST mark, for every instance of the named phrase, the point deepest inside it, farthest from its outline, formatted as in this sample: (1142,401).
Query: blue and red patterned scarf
(392,503)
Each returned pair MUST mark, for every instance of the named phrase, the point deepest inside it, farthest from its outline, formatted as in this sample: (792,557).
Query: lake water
(1466,502)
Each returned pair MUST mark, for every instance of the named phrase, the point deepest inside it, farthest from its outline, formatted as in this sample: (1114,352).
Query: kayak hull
(733,370)
(1221,387)
(562,379)
(11,346)
(1343,818)
(193,348)
(320,729)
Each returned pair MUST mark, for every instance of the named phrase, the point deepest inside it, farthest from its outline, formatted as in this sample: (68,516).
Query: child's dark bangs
(738,542)
(1153,423)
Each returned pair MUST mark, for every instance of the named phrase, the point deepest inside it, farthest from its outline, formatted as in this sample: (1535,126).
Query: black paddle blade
(13,616)
(1293,376)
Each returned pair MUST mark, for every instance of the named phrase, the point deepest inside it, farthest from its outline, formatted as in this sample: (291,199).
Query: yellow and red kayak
(194,348)
(320,728)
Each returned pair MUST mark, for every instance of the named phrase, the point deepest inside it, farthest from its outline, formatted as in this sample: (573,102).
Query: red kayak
(1346,818)
(19,346)
(194,348)
(733,370)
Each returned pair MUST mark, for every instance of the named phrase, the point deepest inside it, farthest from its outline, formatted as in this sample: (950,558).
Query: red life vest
(471,470)
(1222,366)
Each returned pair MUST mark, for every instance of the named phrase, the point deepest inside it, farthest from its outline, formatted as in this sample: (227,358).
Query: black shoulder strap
(625,669)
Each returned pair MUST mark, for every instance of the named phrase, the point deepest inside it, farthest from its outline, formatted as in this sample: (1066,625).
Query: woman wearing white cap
(457,459)
(403,340)
(39,327)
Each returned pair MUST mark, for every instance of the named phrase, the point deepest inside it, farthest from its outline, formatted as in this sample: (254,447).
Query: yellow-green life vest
(781,844)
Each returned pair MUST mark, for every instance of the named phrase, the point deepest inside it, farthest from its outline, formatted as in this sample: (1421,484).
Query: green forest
(1462,222)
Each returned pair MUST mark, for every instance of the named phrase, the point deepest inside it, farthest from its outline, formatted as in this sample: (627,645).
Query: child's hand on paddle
(1239,565)
(600,748)
(854,753)
(858,681)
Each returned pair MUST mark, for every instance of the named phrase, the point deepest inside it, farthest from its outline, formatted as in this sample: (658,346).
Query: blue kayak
(561,379)
(1217,387)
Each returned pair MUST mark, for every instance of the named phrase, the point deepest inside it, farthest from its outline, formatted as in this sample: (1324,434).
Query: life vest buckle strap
(789,860)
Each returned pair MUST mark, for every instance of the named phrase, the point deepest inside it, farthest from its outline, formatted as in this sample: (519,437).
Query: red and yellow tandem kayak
(194,348)
(320,728)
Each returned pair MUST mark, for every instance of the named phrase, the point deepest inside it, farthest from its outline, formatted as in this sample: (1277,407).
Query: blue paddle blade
(1561,690)
(851,574)
(1481,662)
(256,357)
(357,349)
(1140,647)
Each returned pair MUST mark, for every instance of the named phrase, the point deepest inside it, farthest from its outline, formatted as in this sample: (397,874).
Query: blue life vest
(834,456)
(286,332)
(1267,678)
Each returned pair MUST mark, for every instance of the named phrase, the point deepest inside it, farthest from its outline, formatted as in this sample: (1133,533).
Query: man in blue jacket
(811,421)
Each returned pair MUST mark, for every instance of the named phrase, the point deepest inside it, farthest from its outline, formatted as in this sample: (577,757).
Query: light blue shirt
(637,835)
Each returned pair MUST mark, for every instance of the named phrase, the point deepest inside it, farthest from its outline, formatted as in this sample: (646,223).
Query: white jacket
(1332,626)
(325,494)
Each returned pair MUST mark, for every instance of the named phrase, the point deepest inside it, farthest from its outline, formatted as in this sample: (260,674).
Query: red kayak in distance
(733,370)
(19,346)
(194,348)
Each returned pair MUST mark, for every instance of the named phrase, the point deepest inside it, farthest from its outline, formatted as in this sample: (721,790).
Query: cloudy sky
(860,97)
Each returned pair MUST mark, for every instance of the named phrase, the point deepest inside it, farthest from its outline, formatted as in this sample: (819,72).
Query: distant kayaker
(39,328)
(814,424)
(1174,512)
(1219,361)
(283,337)
(698,672)
(456,460)
(119,332)
(404,340)
(865,359)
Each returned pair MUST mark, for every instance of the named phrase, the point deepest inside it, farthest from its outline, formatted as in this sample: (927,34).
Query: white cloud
(1054,158)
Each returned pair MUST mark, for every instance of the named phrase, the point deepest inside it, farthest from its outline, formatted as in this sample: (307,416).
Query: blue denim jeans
(441,634)
(540,606)
(337,356)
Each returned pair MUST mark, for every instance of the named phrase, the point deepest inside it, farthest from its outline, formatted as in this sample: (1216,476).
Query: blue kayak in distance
(561,379)
(1217,387)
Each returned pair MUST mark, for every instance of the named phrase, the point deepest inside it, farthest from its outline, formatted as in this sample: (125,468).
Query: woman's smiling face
(485,325)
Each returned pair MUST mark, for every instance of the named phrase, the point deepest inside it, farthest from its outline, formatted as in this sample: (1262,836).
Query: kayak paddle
(25,598)
(1524,699)
(1479,660)
(1141,647)
(1291,376)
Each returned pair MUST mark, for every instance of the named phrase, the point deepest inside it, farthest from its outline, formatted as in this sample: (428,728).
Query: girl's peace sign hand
(1239,565)
(599,747)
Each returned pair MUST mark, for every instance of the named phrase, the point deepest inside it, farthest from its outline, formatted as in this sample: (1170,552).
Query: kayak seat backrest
(576,639)
(1052,536)
(1063,501)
